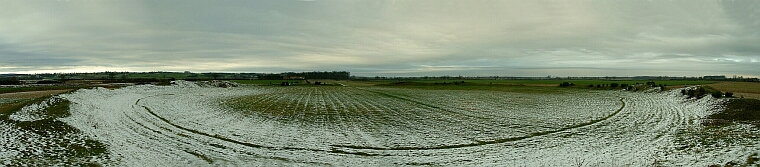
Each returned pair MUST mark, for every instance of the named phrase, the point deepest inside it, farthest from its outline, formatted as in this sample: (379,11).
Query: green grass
(420,83)
(266,82)
(476,86)
(277,82)
(576,82)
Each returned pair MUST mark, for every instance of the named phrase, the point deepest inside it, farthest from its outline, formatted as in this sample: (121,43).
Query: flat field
(746,89)
(391,124)
(481,82)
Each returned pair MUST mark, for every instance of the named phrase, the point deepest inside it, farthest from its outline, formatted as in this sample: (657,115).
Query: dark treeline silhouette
(336,75)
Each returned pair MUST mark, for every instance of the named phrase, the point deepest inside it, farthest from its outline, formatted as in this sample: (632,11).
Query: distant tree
(63,77)
(111,75)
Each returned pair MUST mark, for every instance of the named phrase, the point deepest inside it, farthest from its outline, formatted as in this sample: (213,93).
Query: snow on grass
(346,126)
(35,111)
(32,136)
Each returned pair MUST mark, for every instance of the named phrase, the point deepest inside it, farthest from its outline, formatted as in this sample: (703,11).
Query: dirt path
(33,94)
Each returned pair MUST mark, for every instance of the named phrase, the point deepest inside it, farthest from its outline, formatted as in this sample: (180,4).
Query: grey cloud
(510,38)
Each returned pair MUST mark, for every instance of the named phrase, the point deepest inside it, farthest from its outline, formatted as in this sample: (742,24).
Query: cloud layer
(389,38)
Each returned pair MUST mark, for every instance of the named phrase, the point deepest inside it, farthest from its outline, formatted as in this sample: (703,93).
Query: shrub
(564,84)
(623,85)
(691,93)
(701,91)
(614,85)
(729,94)
(717,94)
(590,85)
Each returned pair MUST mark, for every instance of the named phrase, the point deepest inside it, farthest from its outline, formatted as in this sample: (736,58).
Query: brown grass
(33,94)
(11,107)
(746,89)
(26,95)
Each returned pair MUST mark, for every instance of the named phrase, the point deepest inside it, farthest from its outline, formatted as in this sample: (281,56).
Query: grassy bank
(61,144)
(739,110)
(37,88)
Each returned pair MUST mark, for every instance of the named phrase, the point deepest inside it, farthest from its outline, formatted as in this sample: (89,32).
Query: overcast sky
(386,38)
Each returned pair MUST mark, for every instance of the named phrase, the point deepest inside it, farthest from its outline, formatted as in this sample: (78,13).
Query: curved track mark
(250,144)
(497,141)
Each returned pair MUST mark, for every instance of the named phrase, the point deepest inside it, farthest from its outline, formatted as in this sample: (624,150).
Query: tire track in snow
(248,144)
(481,143)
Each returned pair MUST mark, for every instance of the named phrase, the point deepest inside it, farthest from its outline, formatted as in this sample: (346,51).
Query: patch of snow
(188,124)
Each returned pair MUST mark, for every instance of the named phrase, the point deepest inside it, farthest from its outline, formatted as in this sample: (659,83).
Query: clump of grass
(752,159)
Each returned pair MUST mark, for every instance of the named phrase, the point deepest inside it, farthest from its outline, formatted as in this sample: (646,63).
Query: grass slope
(744,110)
(61,147)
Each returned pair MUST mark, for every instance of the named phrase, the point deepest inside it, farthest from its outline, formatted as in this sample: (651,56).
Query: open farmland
(740,89)
(204,125)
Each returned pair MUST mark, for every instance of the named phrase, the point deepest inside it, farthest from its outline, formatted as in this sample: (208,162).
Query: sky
(385,37)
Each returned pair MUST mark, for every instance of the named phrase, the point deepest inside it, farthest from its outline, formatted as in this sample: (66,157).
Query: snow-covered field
(187,124)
